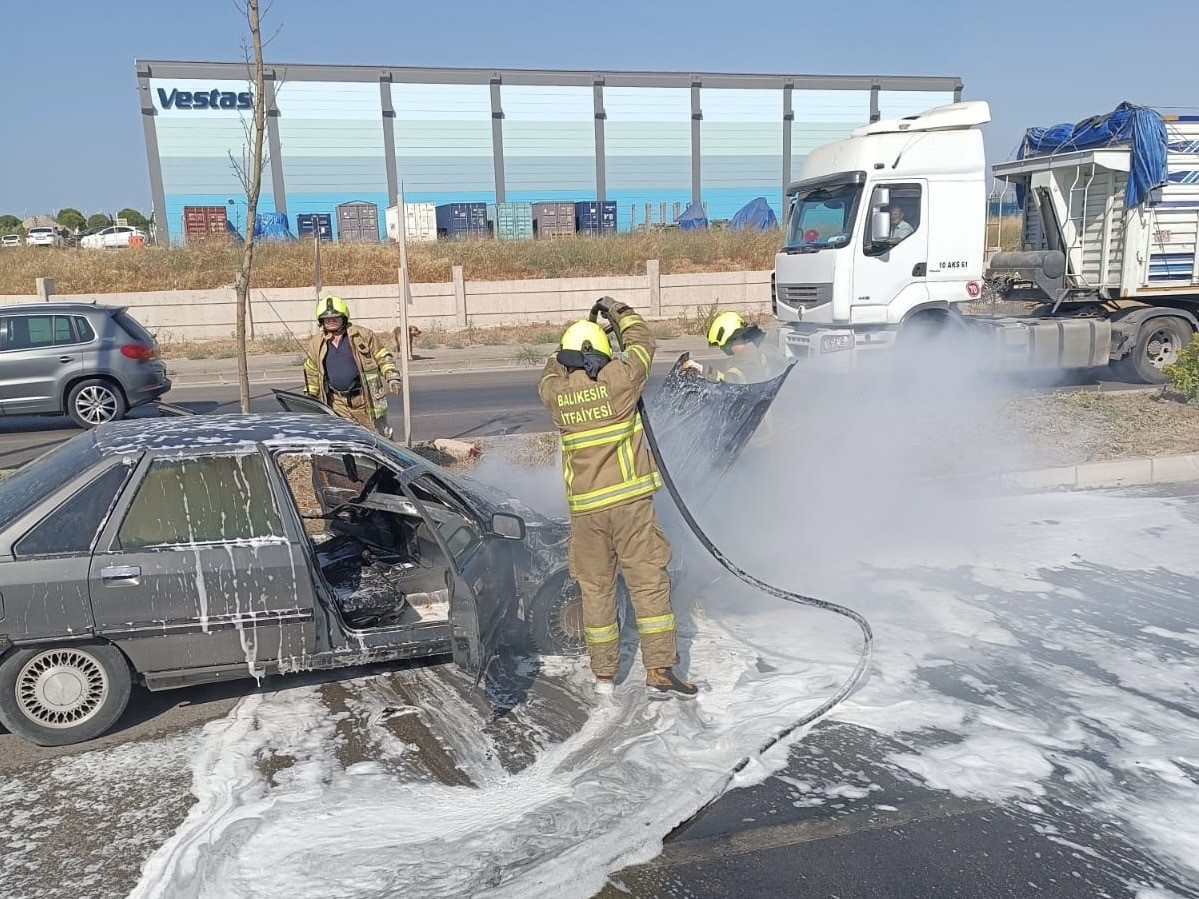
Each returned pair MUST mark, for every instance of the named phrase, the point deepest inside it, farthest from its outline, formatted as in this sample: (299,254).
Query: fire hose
(786,595)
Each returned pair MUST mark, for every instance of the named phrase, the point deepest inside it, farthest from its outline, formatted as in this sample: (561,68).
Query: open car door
(702,426)
(300,402)
(482,579)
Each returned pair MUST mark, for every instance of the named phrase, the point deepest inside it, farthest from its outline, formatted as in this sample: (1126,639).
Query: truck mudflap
(702,426)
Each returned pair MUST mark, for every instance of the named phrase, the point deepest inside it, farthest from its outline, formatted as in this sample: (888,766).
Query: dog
(413,333)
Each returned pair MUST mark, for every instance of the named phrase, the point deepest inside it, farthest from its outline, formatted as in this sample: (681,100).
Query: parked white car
(10,240)
(45,236)
(112,236)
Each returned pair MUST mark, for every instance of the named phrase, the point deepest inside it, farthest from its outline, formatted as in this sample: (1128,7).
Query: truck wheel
(930,341)
(1159,341)
(58,695)
(94,402)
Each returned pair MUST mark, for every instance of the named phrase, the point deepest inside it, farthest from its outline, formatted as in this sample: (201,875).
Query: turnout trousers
(628,535)
(355,409)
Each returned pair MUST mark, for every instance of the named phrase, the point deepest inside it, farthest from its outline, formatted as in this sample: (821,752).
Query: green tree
(9,223)
(134,218)
(71,218)
(98,220)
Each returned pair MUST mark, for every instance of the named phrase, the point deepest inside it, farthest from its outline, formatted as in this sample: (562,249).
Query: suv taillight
(137,351)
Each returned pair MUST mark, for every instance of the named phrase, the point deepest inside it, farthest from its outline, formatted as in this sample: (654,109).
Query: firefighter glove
(612,309)
(692,366)
(393,383)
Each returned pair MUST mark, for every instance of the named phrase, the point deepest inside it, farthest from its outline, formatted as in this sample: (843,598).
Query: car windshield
(34,481)
(823,217)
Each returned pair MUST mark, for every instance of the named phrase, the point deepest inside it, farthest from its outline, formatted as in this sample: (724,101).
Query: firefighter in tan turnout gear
(610,481)
(348,367)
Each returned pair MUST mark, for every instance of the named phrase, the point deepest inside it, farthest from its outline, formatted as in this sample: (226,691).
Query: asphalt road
(469,404)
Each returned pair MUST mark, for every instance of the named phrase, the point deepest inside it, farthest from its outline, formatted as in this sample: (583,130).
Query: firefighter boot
(664,683)
(604,687)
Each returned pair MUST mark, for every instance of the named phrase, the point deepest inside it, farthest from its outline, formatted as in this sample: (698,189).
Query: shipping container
(358,222)
(201,223)
(512,221)
(420,224)
(553,219)
(595,217)
(462,220)
(310,223)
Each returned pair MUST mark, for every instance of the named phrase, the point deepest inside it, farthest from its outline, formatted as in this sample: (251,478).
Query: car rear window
(132,327)
(37,479)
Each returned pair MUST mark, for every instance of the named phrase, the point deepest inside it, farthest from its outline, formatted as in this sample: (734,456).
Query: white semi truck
(885,239)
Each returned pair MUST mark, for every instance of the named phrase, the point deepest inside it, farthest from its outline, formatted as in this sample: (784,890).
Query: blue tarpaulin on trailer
(272,226)
(1138,127)
(693,218)
(755,214)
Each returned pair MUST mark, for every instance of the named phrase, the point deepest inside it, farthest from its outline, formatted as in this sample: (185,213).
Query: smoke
(847,465)
(528,467)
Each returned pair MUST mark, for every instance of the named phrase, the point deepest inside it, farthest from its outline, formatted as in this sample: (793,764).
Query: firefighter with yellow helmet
(748,362)
(349,368)
(611,478)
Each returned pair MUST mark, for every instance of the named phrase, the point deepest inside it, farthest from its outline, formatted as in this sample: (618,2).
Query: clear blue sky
(73,136)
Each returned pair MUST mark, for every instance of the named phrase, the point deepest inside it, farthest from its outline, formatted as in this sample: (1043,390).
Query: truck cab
(883,228)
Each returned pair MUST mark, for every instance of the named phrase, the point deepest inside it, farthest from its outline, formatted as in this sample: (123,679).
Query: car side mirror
(507,526)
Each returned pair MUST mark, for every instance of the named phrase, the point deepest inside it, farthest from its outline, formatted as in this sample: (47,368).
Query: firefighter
(611,479)
(347,365)
(747,362)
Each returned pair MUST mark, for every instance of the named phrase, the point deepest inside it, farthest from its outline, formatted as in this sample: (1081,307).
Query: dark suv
(92,362)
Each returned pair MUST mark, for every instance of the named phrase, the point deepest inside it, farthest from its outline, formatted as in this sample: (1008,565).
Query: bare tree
(251,176)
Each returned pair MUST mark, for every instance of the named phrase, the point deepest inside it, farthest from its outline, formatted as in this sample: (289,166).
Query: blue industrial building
(646,140)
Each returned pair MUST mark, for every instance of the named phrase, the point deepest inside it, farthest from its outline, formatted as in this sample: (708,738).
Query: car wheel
(555,616)
(59,695)
(94,402)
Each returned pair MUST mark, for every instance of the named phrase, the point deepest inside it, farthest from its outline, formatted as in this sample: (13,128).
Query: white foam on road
(1039,655)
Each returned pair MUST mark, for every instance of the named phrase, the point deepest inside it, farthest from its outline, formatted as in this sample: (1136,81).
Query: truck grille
(805,294)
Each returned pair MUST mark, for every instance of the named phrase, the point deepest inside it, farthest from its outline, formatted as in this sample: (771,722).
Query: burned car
(181,551)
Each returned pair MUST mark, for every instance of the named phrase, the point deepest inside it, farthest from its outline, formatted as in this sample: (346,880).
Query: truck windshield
(823,217)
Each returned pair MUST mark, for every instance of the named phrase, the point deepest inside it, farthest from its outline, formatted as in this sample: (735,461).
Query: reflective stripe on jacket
(605,459)
(371,355)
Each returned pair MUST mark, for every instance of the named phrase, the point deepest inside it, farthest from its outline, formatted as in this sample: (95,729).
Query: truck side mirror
(882,197)
(880,227)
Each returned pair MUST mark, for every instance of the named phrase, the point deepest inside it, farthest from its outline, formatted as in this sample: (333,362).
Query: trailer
(885,244)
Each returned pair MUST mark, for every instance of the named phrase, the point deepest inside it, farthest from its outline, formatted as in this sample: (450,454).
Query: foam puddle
(1054,666)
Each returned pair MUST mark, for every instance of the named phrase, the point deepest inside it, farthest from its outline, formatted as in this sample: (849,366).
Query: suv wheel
(94,402)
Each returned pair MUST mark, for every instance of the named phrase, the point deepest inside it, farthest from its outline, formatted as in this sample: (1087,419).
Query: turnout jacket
(371,356)
(606,461)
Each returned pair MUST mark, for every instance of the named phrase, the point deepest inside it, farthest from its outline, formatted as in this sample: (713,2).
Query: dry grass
(1004,232)
(290,265)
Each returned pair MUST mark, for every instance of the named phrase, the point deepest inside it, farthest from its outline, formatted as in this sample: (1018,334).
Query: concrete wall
(182,315)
